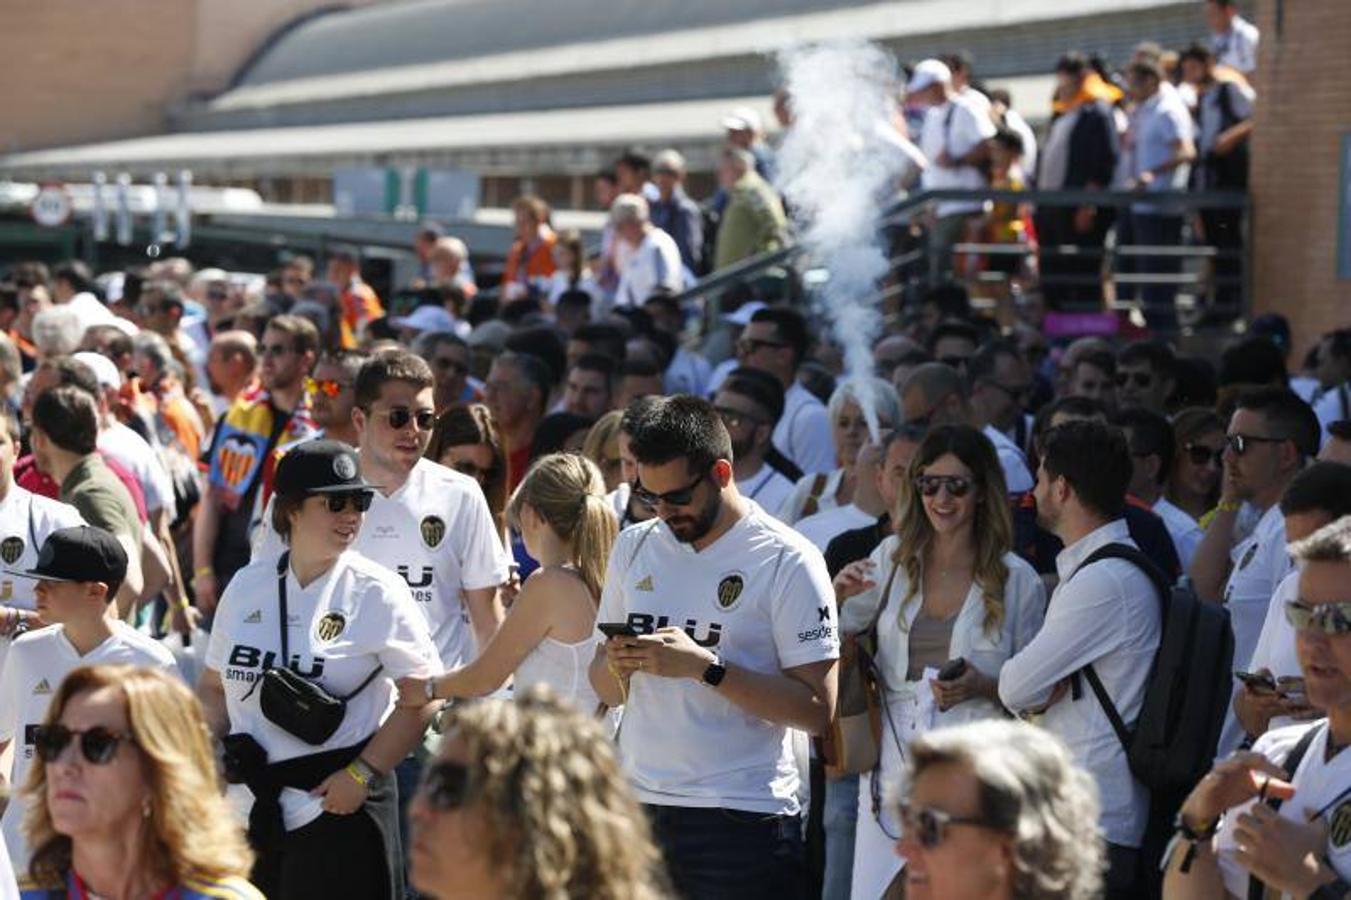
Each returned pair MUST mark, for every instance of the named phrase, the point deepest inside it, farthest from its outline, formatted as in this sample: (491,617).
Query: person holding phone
(546,638)
(949,598)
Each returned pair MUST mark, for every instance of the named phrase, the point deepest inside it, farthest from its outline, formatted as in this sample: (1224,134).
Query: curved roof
(423,31)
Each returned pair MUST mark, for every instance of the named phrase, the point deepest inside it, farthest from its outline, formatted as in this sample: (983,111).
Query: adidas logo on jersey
(254,617)
(42,687)
(644,585)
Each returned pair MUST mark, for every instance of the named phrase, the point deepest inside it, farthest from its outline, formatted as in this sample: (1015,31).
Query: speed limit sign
(51,206)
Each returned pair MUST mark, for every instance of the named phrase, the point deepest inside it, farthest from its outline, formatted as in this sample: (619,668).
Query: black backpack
(1187,695)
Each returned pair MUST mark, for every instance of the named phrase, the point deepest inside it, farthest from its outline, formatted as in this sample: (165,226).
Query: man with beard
(750,402)
(731,641)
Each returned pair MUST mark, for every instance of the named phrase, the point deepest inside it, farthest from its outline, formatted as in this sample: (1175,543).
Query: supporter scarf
(241,452)
(1092,90)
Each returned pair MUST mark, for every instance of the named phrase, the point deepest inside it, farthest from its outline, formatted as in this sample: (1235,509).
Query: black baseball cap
(82,553)
(319,467)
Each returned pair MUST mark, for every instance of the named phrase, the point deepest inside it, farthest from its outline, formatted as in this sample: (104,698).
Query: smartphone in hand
(953,668)
(1257,681)
(617,629)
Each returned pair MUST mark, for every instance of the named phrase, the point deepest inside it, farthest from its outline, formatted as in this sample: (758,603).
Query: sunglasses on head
(400,416)
(328,387)
(682,497)
(929,827)
(98,745)
(1139,379)
(1200,454)
(1332,619)
(957,486)
(360,501)
(445,786)
(1242,443)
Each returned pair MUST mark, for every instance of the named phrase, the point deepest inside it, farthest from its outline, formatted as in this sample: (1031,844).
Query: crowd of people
(572,587)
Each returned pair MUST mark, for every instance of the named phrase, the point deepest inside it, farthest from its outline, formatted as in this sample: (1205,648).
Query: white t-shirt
(655,263)
(803,432)
(956,127)
(367,618)
(131,451)
(26,519)
(1276,644)
(687,374)
(760,597)
(1182,528)
(1333,405)
(825,526)
(36,665)
(803,492)
(1017,477)
(768,487)
(438,534)
(1322,791)
(1237,47)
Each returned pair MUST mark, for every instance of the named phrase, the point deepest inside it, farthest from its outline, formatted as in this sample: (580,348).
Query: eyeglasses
(450,365)
(359,500)
(1332,619)
(748,346)
(733,418)
(400,416)
(1139,379)
(682,497)
(445,786)
(957,486)
(1200,454)
(329,387)
(1241,442)
(274,350)
(929,826)
(98,745)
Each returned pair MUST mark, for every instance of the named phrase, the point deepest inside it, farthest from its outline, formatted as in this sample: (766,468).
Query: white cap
(743,313)
(929,72)
(743,118)
(427,318)
(102,366)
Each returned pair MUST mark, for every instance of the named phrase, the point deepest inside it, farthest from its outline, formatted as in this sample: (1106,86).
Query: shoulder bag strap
(281,603)
(1256,888)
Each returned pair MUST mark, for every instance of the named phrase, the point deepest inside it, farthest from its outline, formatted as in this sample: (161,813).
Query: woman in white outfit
(561,512)
(949,588)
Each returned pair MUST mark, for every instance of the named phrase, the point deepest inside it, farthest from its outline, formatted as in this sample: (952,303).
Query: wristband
(431,690)
(203,570)
(1193,837)
(1228,506)
(358,776)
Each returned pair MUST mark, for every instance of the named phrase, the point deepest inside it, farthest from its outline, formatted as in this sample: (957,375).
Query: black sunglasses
(360,501)
(1200,454)
(1332,619)
(958,486)
(400,416)
(929,827)
(97,744)
(735,419)
(682,497)
(1242,443)
(446,786)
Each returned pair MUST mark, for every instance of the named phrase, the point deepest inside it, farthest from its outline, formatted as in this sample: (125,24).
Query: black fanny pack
(293,703)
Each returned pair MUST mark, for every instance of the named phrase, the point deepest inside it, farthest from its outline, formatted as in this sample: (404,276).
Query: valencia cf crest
(11,548)
(433,531)
(1339,825)
(330,626)
(729,591)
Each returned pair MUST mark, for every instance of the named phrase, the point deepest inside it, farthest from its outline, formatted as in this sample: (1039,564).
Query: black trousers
(729,854)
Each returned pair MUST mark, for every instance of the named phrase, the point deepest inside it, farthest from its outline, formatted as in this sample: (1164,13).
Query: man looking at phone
(734,642)
(1272,693)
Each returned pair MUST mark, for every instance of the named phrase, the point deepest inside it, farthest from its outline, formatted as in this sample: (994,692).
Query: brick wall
(1304,108)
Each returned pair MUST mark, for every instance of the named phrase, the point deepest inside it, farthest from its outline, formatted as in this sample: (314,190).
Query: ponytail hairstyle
(568,492)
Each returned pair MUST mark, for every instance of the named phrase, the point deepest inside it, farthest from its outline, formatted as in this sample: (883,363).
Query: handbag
(852,746)
(296,705)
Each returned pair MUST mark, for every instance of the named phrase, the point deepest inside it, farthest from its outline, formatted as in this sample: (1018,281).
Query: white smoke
(838,170)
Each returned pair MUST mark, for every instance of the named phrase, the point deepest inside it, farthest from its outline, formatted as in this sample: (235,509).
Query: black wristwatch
(715,672)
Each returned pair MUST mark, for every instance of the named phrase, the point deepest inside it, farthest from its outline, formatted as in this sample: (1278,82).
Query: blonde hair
(568,492)
(991,529)
(562,823)
(193,832)
(605,430)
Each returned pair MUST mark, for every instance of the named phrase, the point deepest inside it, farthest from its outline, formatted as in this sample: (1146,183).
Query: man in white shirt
(1000,381)
(653,259)
(1332,402)
(76,577)
(1153,446)
(864,509)
(1232,38)
(1105,614)
(776,340)
(1271,436)
(735,643)
(954,140)
(750,403)
(935,394)
(1227,835)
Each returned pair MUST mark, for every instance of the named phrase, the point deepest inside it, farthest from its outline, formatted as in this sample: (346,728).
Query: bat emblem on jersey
(729,590)
(344,467)
(11,548)
(330,626)
(433,530)
(1339,826)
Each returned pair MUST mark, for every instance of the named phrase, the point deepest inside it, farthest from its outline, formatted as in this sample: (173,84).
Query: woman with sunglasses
(849,430)
(125,800)
(548,635)
(997,810)
(1194,482)
(950,602)
(526,799)
(465,439)
(324,819)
